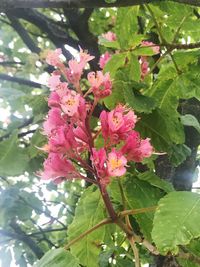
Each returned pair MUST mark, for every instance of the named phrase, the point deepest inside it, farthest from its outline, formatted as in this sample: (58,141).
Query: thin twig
(136,211)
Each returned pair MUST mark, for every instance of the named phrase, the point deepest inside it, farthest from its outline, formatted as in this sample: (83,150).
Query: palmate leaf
(176,221)
(13,159)
(58,258)
(137,101)
(161,128)
(89,212)
(138,194)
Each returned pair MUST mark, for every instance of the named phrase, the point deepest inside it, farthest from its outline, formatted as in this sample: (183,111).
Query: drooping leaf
(190,120)
(58,258)
(89,212)
(176,221)
(179,153)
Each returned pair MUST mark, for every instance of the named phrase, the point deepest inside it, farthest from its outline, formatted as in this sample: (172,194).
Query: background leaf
(176,221)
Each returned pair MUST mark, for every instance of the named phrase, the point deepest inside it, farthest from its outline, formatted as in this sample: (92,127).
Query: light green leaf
(190,120)
(143,51)
(112,100)
(58,258)
(13,159)
(156,181)
(176,221)
(116,61)
(134,68)
(89,212)
(106,43)
(126,26)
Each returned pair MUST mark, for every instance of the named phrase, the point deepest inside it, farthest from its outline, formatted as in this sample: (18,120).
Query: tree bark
(10,4)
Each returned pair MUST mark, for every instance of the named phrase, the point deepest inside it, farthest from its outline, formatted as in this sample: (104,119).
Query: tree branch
(18,234)
(10,4)
(6,77)
(58,36)
(17,26)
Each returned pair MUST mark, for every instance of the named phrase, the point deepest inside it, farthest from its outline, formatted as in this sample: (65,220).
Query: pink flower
(73,105)
(56,167)
(54,99)
(110,36)
(53,57)
(75,70)
(144,67)
(137,149)
(62,140)
(98,159)
(85,57)
(54,81)
(156,49)
(53,121)
(101,84)
(117,124)
(146,148)
(116,163)
(104,59)
(70,103)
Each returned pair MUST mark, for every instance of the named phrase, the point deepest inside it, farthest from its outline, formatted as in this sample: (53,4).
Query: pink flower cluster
(67,127)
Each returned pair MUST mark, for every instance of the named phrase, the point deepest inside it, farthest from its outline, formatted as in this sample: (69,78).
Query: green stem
(135,251)
(136,211)
(103,222)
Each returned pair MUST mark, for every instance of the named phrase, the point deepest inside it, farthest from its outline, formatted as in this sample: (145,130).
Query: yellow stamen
(115,163)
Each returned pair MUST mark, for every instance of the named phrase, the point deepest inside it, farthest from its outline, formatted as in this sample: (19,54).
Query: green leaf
(104,258)
(143,51)
(194,249)
(190,120)
(112,100)
(58,258)
(126,26)
(138,101)
(13,159)
(179,153)
(140,194)
(134,68)
(89,212)
(161,128)
(176,221)
(12,206)
(156,181)
(116,61)
(106,43)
